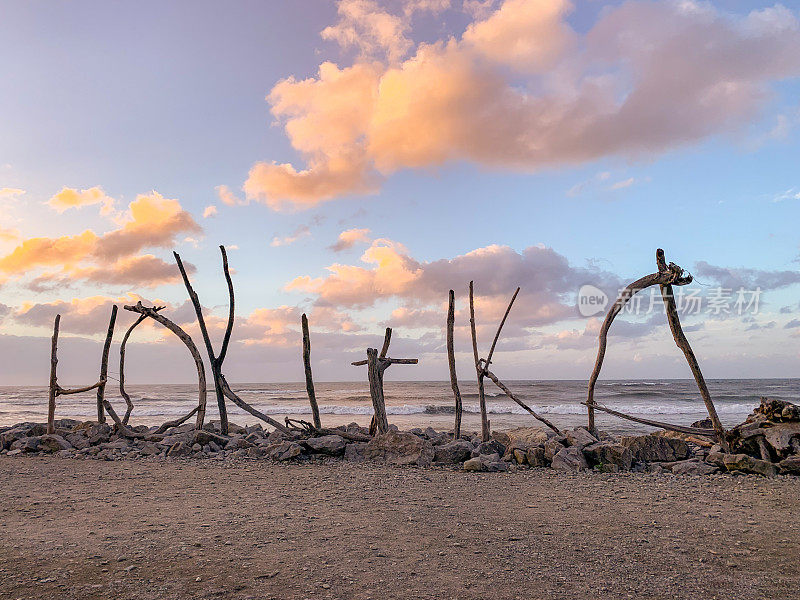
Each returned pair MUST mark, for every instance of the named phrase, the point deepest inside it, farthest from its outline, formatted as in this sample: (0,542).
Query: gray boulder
(790,466)
(453,452)
(523,437)
(490,447)
(553,446)
(535,457)
(570,459)
(655,448)
(748,464)
(177,449)
(53,443)
(609,457)
(473,464)
(693,466)
(332,445)
(580,437)
(284,450)
(400,448)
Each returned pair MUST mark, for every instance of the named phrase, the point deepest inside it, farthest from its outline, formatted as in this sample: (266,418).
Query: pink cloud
(520,89)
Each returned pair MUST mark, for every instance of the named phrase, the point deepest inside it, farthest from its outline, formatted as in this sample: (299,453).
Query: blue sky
(177,98)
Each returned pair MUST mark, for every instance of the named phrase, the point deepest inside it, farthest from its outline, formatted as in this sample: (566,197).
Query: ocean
(424,403)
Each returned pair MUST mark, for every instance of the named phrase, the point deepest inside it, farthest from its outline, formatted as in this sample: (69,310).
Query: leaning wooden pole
(478,366)
(53,389)
(312,398)
(451,360)
(683,343)
(101,389)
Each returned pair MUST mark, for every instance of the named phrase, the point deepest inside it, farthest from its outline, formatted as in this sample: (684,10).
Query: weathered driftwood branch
(216,364)
(451,361)
(667,276)
(482,366)
(51,397)
(55,390)
(153,313)
(488,360)
(478,367)
(683,343)
(669,427)
(511,395)
(233,397)
(661,277)
(375,375)
(175,423)
(305,427)
(122,346)
(312,397)
(101,389)
(376,365)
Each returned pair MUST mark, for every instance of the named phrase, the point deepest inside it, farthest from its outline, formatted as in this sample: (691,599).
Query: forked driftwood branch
(376,365)
(451,361)
(482,368)
(55,390)
(221,387)
(667,276)
(312,397)
(153,313)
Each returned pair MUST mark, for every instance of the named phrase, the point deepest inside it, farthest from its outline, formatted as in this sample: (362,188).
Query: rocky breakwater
(768,444)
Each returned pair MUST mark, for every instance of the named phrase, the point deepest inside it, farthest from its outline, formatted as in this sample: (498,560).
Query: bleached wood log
(511,395)
(478,367)
(312,397)
(451,361)
(101,389)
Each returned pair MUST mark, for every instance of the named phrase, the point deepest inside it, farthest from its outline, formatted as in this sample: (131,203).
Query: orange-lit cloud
(518,88)
(209,211)
(151,221)
(349,238)
(227,196)
(71,198)
(8,192)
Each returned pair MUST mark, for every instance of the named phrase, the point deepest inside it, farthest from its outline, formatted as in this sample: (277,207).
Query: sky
(360,158)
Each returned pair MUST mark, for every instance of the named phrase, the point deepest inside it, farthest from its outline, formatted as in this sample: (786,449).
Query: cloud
(209,211)
(744,278)
(7,192)
(9,235)
(623,184)
(547,280)
(520,89)
(790,194)
(793,324)
(227,196)
(151,221)
(349,238)
(301,232)
(69,198)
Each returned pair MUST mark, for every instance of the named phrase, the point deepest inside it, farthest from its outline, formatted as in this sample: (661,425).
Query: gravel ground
(254,529)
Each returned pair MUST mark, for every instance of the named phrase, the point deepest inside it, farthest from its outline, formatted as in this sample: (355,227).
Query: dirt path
(96,529)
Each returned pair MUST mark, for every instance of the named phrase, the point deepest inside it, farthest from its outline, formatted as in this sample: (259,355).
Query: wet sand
(253,529)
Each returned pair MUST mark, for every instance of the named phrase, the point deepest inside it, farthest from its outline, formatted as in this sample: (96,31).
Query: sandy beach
(245,529)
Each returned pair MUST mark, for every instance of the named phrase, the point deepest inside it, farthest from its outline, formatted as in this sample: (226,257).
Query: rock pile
(768,443)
